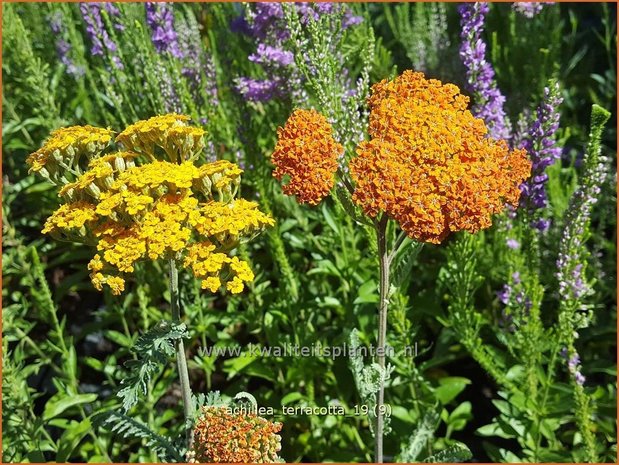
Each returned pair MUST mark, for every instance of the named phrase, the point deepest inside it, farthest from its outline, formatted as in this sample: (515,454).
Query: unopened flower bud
(108,182)
(119,164)
(93,190)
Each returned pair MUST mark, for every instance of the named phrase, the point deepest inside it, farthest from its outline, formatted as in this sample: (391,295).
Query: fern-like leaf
(153,349)
(403,261)
(367,379)
(421,436)
(453,454)
(129,428)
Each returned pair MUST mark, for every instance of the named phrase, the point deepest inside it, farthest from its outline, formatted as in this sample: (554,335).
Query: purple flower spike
(266,54)
(264,22)
(573,362)
(579,378)
(480,75)
(574,366)
(63,48)
(257,90)
(540,144)
(160,19)
(95,29)
(504,294)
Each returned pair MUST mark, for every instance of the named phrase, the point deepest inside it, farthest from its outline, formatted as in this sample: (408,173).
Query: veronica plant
(534,337)
(489,101)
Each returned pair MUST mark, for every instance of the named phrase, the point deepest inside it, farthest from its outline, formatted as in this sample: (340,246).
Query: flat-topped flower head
(69,220)
(170,133)
(63,151)
(221,435)
(133,207)
(307,153)
(429,164)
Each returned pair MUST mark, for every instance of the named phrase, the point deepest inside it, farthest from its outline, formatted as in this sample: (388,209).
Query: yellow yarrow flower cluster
(167,132)
(60,157)
(69,217)
(134,205)
(208,265)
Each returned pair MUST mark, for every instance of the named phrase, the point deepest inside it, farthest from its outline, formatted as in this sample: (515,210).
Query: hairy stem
(381,232)
(181,358)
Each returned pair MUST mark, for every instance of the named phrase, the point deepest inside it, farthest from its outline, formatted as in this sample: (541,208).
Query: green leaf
(495,429)
(36,456)
(404,260)
(291,397)
(329,218)
(368,293)
(153,349)
(53,408)
(450,387)
(71,438)
(119,338)
(71,363)
(460,416)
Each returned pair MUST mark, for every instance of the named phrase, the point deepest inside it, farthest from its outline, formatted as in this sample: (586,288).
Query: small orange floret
(429,164)
(306,152)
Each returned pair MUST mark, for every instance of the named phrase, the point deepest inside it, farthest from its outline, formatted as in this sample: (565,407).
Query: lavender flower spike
(95,28)
(479,73)
(160,19)
(573,365)
(542,148)
(258,90)
(571,263)
(266,24)
(63,47)
(266,54)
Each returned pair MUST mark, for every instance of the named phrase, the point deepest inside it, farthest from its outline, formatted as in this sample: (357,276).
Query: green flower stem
(181,358)
(583,416)
(381,233)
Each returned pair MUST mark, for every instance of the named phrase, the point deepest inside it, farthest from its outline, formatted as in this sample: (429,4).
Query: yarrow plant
(225,436)
(429,165)
(165,207)
(307,153)
(461,177)
(401,216)
(150,201)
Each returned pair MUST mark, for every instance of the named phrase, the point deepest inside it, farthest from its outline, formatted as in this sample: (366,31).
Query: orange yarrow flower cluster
(306,152)
(429,164)
(223,436)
